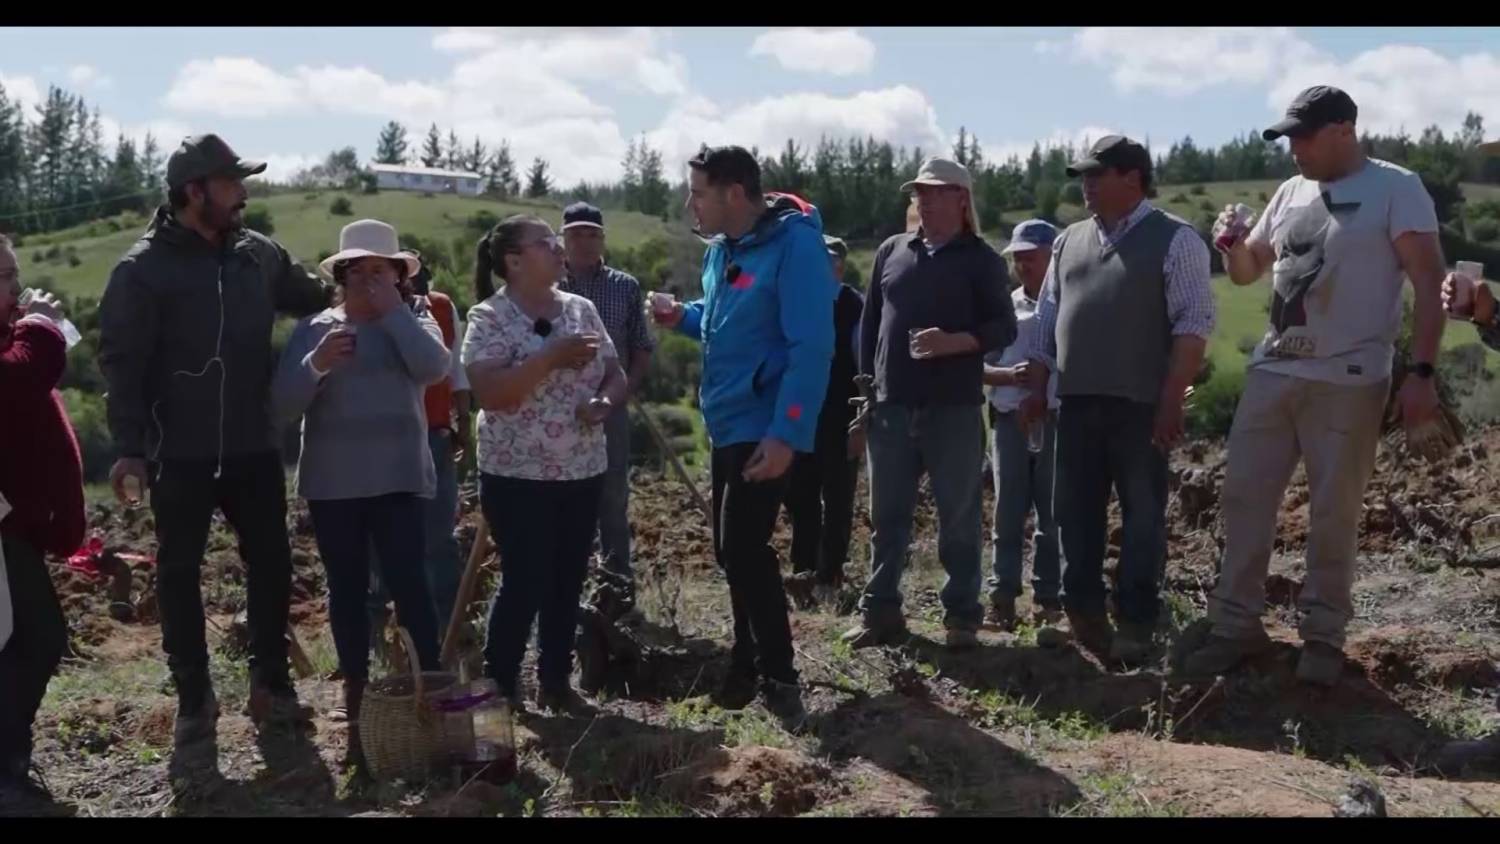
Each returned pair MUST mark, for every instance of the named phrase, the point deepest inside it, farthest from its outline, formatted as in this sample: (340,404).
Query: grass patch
(1117,794)
(1457,714)
(1003,712)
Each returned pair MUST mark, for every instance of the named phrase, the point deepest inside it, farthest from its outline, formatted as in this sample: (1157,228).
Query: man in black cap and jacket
(185,346)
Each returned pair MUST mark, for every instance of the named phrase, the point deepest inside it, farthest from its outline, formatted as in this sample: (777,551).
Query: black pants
(744,517)
(545,532)
(394,525)
(820,502)
(1104,441)
(36,645)
(251,492)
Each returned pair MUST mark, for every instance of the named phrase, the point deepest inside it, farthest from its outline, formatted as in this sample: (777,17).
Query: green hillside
(304,225)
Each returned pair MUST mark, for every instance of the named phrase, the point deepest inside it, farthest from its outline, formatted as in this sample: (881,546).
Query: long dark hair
(502,240)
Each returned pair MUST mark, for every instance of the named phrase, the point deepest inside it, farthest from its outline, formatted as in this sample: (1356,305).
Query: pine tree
(477,157)
(432,148)
(12,162)
(630,180)
(502,170)
(151,164)
(391,147)
(655,195)
(454,160)
(537,183)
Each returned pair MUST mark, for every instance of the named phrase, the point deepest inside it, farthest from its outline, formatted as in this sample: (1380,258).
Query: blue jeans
(1104,441)
(614,497)
(1023,480)
(346,530)
(544,530)
(441,559)
(947,442)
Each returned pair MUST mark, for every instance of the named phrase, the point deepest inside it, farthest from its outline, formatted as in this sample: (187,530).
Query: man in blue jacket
(766,325)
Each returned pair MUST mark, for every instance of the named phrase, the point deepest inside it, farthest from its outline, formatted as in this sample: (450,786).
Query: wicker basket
(401,733)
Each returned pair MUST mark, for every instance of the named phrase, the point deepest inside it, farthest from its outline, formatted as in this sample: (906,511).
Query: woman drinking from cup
(356,374)
(545,376)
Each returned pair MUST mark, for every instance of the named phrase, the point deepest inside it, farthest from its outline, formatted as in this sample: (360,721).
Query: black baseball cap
(1115,151)
(201,156)
(582,214)
(1313,109)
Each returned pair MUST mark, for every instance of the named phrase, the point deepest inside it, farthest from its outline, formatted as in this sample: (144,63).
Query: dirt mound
(765,781)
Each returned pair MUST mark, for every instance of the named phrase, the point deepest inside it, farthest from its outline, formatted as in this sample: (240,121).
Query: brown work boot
(1221,654)
(882,627)
(1002,612)
(1320,664)
(1091,631)
(1132,644)
(274,702)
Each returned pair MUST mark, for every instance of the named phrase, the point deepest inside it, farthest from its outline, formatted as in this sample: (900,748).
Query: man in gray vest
(1123,321)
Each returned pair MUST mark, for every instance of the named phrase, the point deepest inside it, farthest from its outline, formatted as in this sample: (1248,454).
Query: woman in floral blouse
(545,376)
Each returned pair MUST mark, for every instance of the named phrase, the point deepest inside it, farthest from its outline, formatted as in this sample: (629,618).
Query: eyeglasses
(551,241)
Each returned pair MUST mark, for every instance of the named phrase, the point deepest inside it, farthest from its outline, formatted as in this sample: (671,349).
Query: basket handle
(415,664)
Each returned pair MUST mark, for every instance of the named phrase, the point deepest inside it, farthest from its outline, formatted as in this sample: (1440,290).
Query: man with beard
(185,345)
(1338,239)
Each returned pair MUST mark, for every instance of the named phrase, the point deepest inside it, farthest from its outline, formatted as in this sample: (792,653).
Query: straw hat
(366,239)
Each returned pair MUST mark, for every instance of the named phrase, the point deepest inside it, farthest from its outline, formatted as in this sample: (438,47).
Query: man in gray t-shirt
(1337,239)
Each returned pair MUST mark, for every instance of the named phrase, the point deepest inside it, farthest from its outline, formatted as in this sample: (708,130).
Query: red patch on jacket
(794,412)
(742,281)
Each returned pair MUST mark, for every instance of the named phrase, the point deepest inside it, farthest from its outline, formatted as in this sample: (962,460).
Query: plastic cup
(1466,274)
(662,304)
(1230,234)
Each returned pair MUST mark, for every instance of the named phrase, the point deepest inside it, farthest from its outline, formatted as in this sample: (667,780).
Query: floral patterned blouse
(543,439)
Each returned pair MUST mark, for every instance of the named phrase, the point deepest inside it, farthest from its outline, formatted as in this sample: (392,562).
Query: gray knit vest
(1113,334)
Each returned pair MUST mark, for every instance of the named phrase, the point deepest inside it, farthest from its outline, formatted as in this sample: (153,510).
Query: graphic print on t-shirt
(1301,265)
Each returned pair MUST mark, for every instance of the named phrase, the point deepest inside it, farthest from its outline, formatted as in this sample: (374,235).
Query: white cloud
(998,153)
(1184,60)
(167,133)
(234,86)
(1400,86)
(841,52)
(281,167)
(85,76)
(902,115)
(24,91)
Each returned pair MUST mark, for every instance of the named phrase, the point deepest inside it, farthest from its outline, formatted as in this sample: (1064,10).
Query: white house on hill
(427,179)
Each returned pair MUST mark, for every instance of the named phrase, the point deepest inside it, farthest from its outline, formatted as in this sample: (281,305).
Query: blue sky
(577,96)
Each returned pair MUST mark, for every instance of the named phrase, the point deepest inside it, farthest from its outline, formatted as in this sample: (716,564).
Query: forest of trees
(57,170)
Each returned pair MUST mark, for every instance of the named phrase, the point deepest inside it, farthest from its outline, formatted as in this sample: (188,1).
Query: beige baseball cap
(941,171)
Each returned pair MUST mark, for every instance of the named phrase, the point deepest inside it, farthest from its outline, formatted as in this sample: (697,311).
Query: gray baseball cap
(1031,234)
(202,156)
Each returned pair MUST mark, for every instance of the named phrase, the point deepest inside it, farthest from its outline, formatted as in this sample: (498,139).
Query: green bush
(676,368)
(1180,198)
(1209,206)
(1485,229)
(73,259)
(341,207)
(481,221)
(258,218)
(1247,345)
(1264,197)
(1214,402)
(676,425)
(1197,190)
(86,412)
(54,253)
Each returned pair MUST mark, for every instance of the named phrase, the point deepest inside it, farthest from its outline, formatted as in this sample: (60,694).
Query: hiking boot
(799,587)
(1002,612)
(871,632)
(1132,643)
(1091,631)
(961,638)
(196,723)
(1220,654)
(1320,664)
(784,700)
(1460,757)
(563,701)
(1047,612)
(273,703)
(736,692)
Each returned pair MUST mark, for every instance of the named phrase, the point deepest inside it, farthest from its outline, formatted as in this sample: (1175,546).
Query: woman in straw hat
(356,373)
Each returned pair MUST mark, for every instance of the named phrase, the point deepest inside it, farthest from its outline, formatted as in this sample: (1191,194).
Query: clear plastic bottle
(69,331)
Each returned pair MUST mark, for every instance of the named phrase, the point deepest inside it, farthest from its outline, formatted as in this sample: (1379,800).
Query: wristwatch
(1421,370)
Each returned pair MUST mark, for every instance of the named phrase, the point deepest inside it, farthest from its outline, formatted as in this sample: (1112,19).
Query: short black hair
(729,165)
(177,197)
(341,269)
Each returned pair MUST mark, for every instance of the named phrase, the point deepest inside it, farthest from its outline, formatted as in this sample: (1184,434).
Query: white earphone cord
(218,352)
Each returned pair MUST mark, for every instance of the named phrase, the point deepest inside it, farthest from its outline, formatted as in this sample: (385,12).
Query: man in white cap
(1338,239)
(1124,318)
(1021,455)
(185,347)
(937,302)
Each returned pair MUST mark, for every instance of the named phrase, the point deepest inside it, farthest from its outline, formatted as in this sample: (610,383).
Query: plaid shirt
(1190,299)
(617,297)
